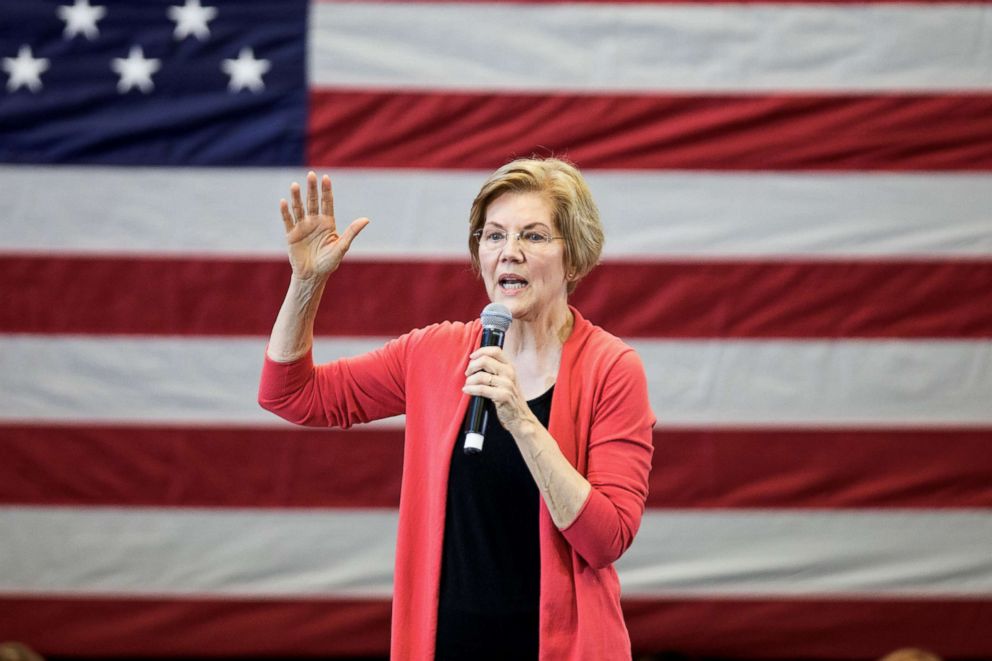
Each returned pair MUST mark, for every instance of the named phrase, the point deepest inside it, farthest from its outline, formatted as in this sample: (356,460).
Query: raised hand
(315,247)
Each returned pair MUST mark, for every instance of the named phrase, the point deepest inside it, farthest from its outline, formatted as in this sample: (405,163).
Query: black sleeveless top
(491,563)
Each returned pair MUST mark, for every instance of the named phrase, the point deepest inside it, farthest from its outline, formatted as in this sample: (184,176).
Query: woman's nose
(513,246)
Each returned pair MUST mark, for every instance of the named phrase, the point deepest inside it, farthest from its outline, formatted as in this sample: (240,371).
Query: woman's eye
(534,237)
(495,236)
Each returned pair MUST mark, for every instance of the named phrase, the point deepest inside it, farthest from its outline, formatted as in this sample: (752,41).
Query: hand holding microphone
(496,320)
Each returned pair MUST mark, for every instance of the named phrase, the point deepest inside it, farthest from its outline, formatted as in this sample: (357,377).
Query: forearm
(292,333)
(563,488)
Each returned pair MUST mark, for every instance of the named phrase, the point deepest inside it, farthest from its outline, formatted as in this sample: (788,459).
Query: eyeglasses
(496,239)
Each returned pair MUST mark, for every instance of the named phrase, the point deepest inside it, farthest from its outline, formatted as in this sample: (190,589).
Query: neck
(546,333)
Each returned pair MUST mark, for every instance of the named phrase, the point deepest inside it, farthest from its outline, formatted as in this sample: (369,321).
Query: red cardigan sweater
(600,417)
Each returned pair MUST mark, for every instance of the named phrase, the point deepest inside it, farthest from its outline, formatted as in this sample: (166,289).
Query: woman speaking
(507,553)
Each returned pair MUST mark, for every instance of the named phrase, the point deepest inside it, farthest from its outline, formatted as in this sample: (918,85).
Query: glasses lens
(495,239)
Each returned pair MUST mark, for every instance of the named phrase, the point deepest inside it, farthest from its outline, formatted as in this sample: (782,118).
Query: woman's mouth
(510,283)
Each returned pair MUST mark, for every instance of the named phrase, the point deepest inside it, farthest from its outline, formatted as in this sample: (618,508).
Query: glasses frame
(517,236)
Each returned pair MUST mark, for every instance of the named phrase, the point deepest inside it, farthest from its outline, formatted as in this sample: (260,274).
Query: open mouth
(510,282)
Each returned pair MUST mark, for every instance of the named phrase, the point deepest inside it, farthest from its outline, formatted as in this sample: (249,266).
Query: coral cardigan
(601,419)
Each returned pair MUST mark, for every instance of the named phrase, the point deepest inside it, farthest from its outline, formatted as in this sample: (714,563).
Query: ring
(490,380)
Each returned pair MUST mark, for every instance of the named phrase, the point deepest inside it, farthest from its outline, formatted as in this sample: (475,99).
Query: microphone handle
(475,425)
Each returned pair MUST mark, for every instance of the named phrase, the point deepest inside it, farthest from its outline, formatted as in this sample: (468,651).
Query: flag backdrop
(798,208)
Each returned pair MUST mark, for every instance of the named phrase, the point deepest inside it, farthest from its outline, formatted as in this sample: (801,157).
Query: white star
(245,71)
(80,17)
(191,18)
(25,69)
(135,71)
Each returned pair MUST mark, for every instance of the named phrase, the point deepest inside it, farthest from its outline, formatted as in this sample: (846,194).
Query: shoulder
(595,346)
(441,337)
(446,330)
(608,372)
(604,366)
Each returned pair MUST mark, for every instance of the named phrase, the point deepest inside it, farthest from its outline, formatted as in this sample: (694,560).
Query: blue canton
(155,82)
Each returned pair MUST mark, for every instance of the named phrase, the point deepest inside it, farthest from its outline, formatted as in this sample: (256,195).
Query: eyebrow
(526,227)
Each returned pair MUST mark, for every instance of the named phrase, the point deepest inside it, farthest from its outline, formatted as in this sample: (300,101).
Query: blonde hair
(573,211)
(910,654)
(14,651)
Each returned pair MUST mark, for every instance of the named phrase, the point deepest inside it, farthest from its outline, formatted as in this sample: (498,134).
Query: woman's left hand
(490,374)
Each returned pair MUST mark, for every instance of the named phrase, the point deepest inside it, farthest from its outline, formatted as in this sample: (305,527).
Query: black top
(491,567)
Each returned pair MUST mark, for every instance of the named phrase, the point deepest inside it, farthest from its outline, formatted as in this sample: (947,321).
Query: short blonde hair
(910,654)
(572,209)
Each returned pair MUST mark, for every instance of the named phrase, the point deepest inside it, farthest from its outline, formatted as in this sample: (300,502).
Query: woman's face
(526,277)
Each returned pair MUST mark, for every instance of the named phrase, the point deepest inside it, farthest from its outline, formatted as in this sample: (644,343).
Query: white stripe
(132,551)
(139,380)
(850,382)
(425,214)
(349,553)
(890,553)
(708,383)
(650,47)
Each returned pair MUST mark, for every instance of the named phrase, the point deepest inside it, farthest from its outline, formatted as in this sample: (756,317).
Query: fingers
(486,384)
(313,209)
(489,374)
(317,204)
(326,197)
(294,193)
(287,219)
(494,353)
(485,367)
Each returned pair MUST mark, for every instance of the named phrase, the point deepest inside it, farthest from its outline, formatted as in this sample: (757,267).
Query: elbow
(598,559)
(268,405)
(602,533)
(277,407)
(290,391)
(293,409)
(608,550)
(271,400)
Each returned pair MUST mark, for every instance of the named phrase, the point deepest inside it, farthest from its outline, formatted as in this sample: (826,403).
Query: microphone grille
(497,317)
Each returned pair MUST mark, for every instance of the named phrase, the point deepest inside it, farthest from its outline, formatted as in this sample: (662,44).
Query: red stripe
(715,299)
(101,628)
(730,628)
(289,468)
(841,468)
(809,628)
(191,467)
(480,130)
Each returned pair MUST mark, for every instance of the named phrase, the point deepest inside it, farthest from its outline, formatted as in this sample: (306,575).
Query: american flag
(798,212)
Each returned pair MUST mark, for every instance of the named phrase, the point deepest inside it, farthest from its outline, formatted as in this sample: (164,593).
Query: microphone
(496,320)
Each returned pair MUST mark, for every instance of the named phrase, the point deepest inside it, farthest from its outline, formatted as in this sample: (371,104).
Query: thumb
(352,231)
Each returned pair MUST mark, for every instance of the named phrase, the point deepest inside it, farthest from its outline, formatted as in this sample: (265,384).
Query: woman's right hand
(315,247)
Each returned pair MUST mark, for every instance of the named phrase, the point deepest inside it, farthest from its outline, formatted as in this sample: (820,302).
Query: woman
(505,554)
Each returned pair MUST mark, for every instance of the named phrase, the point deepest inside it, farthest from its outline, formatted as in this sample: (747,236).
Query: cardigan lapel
(566,402)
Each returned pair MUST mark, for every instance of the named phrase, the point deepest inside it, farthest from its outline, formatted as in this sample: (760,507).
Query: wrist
(308,281)
(306,289)
(525,428)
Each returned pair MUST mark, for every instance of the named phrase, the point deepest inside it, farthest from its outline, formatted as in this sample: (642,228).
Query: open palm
(315,247)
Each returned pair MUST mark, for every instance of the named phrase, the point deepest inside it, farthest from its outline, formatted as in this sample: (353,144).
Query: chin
(517,308)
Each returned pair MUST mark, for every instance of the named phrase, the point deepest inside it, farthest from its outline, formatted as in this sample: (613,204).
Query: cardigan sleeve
(619,461)
(340,393)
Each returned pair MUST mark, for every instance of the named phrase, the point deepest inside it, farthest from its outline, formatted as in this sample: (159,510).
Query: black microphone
(496,320)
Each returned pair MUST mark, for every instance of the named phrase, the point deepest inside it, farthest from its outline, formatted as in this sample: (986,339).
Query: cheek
(551,275)
(487,267)
(554,269)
